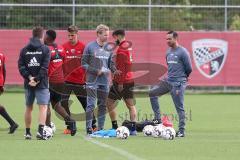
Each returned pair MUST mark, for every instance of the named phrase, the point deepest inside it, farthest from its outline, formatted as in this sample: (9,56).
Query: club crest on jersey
(73,51)
(209,56)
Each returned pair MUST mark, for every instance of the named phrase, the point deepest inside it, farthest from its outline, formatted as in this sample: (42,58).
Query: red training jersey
(124,64)
(55,71)
(2,63)
(72,68)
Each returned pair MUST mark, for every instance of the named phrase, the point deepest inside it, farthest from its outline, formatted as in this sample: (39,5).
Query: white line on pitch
(115,149)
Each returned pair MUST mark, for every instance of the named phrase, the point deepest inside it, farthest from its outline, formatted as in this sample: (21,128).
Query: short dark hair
(72,29)
(51,34)
(37,32)
(175,34)
(119,32)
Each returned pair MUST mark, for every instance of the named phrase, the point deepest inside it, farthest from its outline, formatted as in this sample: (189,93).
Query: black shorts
(126,93)
(56,91)
(78,89)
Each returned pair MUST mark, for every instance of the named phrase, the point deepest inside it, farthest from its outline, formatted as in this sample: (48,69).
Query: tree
(235,25)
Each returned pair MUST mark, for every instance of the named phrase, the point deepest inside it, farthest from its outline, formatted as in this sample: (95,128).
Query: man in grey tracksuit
(179,69)
(97,60)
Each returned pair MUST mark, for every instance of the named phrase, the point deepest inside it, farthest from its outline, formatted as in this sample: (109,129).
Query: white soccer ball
(47,132)
(122,132)
(169,133)
(148,130)
(158,131)
(53,127)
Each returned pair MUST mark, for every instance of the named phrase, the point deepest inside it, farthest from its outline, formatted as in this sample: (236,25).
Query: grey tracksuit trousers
(176,90)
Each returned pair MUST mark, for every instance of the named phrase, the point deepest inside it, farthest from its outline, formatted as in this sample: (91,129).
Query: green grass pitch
(212,133)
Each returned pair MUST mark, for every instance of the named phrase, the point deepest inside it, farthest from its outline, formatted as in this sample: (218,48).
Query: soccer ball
(47,132)
(148,130)
(158,131)
(122,132)
(169,133)
(52,125)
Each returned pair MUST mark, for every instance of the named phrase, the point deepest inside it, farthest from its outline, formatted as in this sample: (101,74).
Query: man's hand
(32,81)
(31,78)
(120,87)
(117,72)
(99,73)
(1,89)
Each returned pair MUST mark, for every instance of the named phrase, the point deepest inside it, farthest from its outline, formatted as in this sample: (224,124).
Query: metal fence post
(149,15)
(73,12)
(226,15)
(225,29)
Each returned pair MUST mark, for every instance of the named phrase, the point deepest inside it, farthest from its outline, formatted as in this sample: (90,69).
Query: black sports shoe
(157,121)
(28,136)
(40,136)
(94,121)
(72,126)
(180,134)
(13,128)
(94,128)
(89,131)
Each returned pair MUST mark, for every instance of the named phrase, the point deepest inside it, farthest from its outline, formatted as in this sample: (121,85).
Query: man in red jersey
(122,83)
(56,80)
(3,112)
(74,73)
